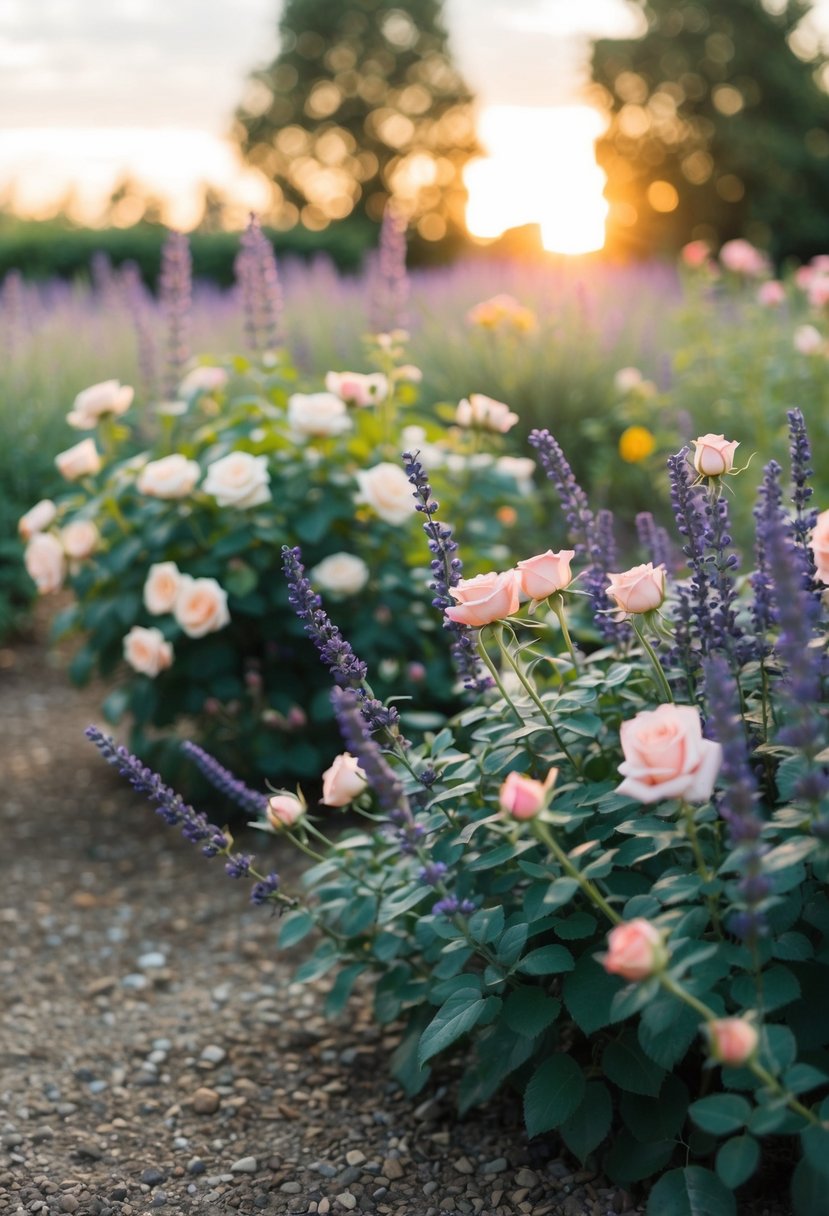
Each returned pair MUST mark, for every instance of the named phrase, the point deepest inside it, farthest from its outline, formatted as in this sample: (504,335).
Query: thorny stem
(658,671)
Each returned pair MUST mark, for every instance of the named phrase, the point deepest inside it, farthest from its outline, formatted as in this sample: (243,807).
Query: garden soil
(154,1054)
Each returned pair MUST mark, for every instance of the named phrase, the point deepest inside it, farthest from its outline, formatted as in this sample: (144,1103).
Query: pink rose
(201,606)
(45,562)
(818,290)
(171,477)
(146,651)
(37,519)
(343,781)
(480,411)
(485,598)
(771,294)
(640,589)
(109,397)
(284,810)
(695,254)
(545,574)
(667,757)
(161,587)
(741,257)
(714,455)
(522,797)
(819,544)
(636,950)
(358,389)
(79,461)
(80,538)
(731,1041)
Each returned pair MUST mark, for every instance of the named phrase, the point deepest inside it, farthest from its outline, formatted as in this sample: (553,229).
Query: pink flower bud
(714,455)
(284,810)
(523,797)
(416,673)
(636,950)
(297,717)
(640,589)
(545,574)
(732,1041)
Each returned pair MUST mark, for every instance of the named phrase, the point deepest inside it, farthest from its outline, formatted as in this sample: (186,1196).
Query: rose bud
(636,950)
(731,1041)
(284,810)
(522,797)
(343,781)
(545,574)
(640,589)
(714,455)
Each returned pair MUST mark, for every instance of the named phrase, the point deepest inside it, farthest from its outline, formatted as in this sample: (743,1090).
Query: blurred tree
(719,127)
(361,104)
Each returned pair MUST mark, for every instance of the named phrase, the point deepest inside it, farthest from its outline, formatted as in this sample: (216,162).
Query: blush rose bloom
(45,562)
(386,489)
(356,388)
(341,574)
(741,257)
(171,477)
(203,380)
(146,651)
(640,589)
(636,950)
(731,1041)
(808,341)
(80,539)
(545,574)
(714,455)
(37,519)
(771,294)
(485,598)
(317,414)
(161,587)
(819,544)
(695,254)
(343,781)
(108,397)
(667,757)
(284,810)
(238,480)
(82,460)
(522,797)
(201,606)
(481,411)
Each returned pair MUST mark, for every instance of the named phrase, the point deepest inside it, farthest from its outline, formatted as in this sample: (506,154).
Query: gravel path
(154,1055)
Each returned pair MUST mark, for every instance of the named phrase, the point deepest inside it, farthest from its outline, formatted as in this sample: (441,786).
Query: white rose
(146,651)
(203,380)
(80,538)
(201,606)
(108,397)
(45,562)
(317,414)
(340,574)
(40,517)
(161,588)
(238,480)
(481,411)
(386,489)
(79,461)
(808,340)
(519,468)
(171,477)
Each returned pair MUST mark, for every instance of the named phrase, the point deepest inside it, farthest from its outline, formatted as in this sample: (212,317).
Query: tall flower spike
(137,301)
(768,515)
(223,780)
(800,450)
(175,292)
(726,635)
(346,669)
(389,282)
(446,569)
(690,523)
(258,278)
(654,540)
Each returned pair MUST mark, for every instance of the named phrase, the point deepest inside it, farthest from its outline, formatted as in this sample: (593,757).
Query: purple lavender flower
(265,889)
(654,540)
(805,518)
(451,905)
(690,522)
(176,292)
(136,298)
(725,634)
(258,278)
(239,865)
(768,514)
(388,281)
(433,873)
(223,780)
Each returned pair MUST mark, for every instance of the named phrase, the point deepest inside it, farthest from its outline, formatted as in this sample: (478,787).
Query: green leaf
(404,1064)
(630,1161)
(780,987)
(528,1011)
(511,944)
(322,960)
(455,1017)
(547,960)
(340,992)
(294,927)
(690,1192)
(553,1094)
(800,1078)
(626,1065)
(588,993)
(590,1123)
(358,915)
(115,705)
(808,1189)
(815,1141)
(578,925)
(737,1160)
(650,1119)
(487,924)
(720,1114)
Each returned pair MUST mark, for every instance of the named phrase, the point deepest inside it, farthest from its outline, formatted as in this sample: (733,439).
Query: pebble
(196,1166)
(68,1203)
(291,1188)
(153,1176)
(464,1166)
(206,1101)
(355,1157)
(392,1168)
(347,1200)
(153,958)
(245,1165)
(213,1054)
(497,1166)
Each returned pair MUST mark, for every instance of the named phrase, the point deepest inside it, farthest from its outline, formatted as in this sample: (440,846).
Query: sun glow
(540,169)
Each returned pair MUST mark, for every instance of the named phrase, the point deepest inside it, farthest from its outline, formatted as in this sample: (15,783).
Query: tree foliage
(719,127)
(362,103)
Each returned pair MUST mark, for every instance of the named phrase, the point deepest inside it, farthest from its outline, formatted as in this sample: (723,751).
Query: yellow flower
(635,444)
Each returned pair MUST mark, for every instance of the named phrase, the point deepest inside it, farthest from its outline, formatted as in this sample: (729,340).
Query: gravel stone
(213,1054)
(245,1165)
(206,1101)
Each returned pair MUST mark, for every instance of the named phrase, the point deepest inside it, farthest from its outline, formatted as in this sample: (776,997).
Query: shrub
(644,960)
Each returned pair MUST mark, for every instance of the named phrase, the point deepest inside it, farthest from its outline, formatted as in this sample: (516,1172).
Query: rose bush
(638,941)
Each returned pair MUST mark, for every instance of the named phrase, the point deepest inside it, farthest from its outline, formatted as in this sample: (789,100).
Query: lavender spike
(175,292)
(223,780)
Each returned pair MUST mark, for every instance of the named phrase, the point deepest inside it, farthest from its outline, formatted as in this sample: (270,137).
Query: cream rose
(356,388)
(667,757)
(640,589)
(284,810)
(201,606)
(480,411)
(146,651)
(37,519)
(636,950)
(485,598)
(161,587)
(82,460)
(109,397)
(317,414)
(385,488)
(238,480)
(80,539)
(523,797)
(45,562)
(340,574)
(819,544)
(714,455)
(545,574)
(343,781)
(808,341)
(203,380)
(520,469)
(171,477)
(731,1041)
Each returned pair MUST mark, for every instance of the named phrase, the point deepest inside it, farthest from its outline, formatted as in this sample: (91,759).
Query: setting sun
(540,168)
